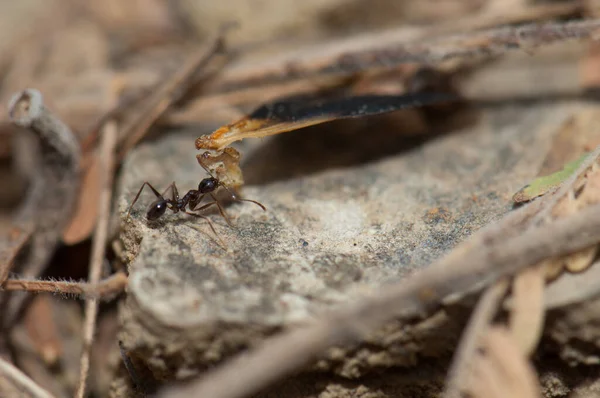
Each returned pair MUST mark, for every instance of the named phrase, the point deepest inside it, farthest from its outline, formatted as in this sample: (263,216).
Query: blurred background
(80,53)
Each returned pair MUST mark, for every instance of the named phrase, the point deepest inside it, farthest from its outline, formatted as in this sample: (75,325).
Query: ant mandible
(192,199)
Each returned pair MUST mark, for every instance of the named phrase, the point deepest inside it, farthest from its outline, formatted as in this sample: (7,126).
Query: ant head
(208,185)
(156,209)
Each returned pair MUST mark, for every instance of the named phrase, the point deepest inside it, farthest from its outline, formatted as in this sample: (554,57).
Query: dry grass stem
(21,381)
(99,243)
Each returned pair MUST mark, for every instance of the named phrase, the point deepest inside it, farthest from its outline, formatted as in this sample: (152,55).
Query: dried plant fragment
(296,113)
(293,114)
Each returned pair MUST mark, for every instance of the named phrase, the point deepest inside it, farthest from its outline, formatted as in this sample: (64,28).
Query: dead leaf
(86,213)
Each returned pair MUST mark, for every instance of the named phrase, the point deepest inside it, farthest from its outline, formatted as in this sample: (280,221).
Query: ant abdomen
(156,209)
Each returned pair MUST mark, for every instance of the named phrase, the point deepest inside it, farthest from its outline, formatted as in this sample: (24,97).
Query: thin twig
(108,144)
(481,318)
(490,254)
(21,380)
(391,48)
(168,93)
(106,288)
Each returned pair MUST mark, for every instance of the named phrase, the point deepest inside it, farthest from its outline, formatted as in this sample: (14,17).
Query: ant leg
(210,224)
(156,193)
(221,210)
(166,190)
(205,206)
(195,202)
(235,198)
(252,201)
(174,192)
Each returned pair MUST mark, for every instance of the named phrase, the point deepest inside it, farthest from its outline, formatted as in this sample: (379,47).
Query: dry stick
(106,288)
(490,254)
(21,380)
(107,151)
(391,48)
(168,93)
(480,319)
(53,190)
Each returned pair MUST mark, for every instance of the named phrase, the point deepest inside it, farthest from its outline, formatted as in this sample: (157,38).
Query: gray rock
(327,236)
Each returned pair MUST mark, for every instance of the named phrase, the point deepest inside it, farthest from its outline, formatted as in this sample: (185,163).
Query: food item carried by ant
(293,114)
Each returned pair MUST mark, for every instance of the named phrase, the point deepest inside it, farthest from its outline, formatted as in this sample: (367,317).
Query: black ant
(191,200)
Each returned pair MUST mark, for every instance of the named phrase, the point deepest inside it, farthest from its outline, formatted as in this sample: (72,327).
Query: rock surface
(326,238)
